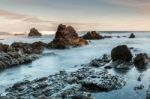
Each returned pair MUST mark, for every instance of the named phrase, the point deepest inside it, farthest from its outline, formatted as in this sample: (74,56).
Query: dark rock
(4,47)
(141,60)
(58,86)
(100,61)
(93,35)
(132,35)
(34,32)
(36,47)
(121,52)
(66,32)
(139,87)
(66,37)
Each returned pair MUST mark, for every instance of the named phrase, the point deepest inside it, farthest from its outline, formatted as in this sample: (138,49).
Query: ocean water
(71,59)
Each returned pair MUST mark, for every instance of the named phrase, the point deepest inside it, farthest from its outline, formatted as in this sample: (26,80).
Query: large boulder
(141,60)
(34,32)
(121,53)
(93,35)
(66,37)
(132,35)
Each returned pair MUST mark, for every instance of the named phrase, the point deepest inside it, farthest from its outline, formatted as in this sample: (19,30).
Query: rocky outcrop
(93,35)
(34,32)
(66,85)
(141,60)
(19,53)
(98,62)
(121,53)
(34,48)
(4,47)
(132,35)
(10,59)
(66,37)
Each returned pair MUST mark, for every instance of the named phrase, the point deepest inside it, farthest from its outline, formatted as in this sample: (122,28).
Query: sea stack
(93,35)
(66,36)
(34,32)
(132,35)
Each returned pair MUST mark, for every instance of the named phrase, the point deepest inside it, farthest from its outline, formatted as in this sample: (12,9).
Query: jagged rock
(10,59)
(141,60)
(132,35)
(36,47)
(100,61)
(66,85)
(4,47)
(93,35)
(121,52)
(66,32)
(34,32)
(66,37)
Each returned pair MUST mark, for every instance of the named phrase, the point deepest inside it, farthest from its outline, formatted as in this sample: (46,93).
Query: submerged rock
(66,37)
(121,52)
(141,60)
(34,32)
(93,35)
(132,35)
(66,85)
(98,62)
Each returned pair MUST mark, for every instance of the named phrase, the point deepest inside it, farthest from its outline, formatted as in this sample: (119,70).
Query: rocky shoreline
(91,77)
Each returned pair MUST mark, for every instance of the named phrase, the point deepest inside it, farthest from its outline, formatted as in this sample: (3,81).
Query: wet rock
(141,60)
(140,77)
(4,47)
(66,37)
(66,85)
(93,35)
(34,32)
(121,52)
(100,61)
(120,64)
(138,87)
(10,59)
(102,82)
(132,35)
(33,48)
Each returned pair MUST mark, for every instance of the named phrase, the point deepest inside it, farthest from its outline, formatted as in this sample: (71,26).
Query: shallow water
(71,59)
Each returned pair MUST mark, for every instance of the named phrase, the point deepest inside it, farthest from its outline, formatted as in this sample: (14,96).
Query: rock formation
(121,52)
(132,35)
(66,37)
(141,60)
(93,35)
(34,32)
(65,85)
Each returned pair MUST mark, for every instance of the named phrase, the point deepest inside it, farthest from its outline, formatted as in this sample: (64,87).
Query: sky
(84,15)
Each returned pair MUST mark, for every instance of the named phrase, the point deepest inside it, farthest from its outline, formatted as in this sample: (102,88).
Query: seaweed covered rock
(93,35)
(66,37)
(121,53)
(141,60)
(34,32)
(132,35)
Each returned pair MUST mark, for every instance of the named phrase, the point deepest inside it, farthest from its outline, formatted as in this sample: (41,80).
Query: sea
(71,59)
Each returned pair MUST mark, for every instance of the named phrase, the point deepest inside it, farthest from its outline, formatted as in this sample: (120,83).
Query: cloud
(139,6)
